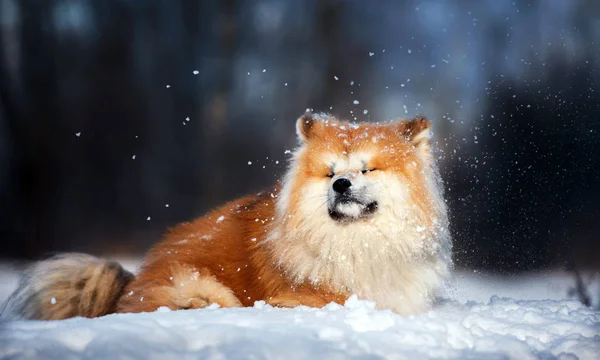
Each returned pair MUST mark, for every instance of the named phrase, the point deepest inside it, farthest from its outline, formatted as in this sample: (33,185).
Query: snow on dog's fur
(397,255)
(360,211)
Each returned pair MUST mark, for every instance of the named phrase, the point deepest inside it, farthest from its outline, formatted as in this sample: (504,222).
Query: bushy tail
(66,286)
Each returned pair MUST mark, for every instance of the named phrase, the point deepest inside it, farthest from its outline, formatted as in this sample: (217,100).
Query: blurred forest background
(119,118)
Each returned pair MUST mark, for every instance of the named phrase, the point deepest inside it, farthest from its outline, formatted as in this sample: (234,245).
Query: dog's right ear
(305,126)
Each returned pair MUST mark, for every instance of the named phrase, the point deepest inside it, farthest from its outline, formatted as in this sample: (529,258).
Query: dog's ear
(418,133)
(305,126)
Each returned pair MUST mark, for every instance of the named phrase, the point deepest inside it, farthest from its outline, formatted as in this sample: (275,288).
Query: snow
(480,317)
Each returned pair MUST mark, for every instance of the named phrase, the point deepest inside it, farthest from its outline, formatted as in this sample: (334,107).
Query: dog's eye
(330,175)
(368,170)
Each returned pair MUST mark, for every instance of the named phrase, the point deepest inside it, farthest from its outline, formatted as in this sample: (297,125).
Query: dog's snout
(341,185)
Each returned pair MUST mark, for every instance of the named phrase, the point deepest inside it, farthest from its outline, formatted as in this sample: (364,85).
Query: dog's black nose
(341,185)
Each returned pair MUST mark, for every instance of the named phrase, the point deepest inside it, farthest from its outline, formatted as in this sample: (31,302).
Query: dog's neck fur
(390,259)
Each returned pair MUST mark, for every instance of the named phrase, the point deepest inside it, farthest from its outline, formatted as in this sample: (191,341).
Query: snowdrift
(462,326)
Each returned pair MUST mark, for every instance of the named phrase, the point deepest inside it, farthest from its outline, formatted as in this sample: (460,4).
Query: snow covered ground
(481,317)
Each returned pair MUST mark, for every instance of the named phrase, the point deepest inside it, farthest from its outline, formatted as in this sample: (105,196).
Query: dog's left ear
(418,133)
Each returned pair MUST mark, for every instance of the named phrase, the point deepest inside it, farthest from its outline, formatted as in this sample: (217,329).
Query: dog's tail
(66,286)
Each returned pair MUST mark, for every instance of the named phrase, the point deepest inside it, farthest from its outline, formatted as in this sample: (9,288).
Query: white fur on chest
(397,269)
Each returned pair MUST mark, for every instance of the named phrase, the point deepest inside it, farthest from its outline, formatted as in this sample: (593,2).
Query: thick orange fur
(227,251)
(230,246)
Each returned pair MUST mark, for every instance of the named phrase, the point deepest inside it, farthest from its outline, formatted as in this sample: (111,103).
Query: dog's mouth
(349,209)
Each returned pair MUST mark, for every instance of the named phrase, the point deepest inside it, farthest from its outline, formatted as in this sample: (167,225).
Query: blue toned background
(119,118)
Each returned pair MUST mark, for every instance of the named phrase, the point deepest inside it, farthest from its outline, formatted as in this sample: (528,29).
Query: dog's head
(347,174)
